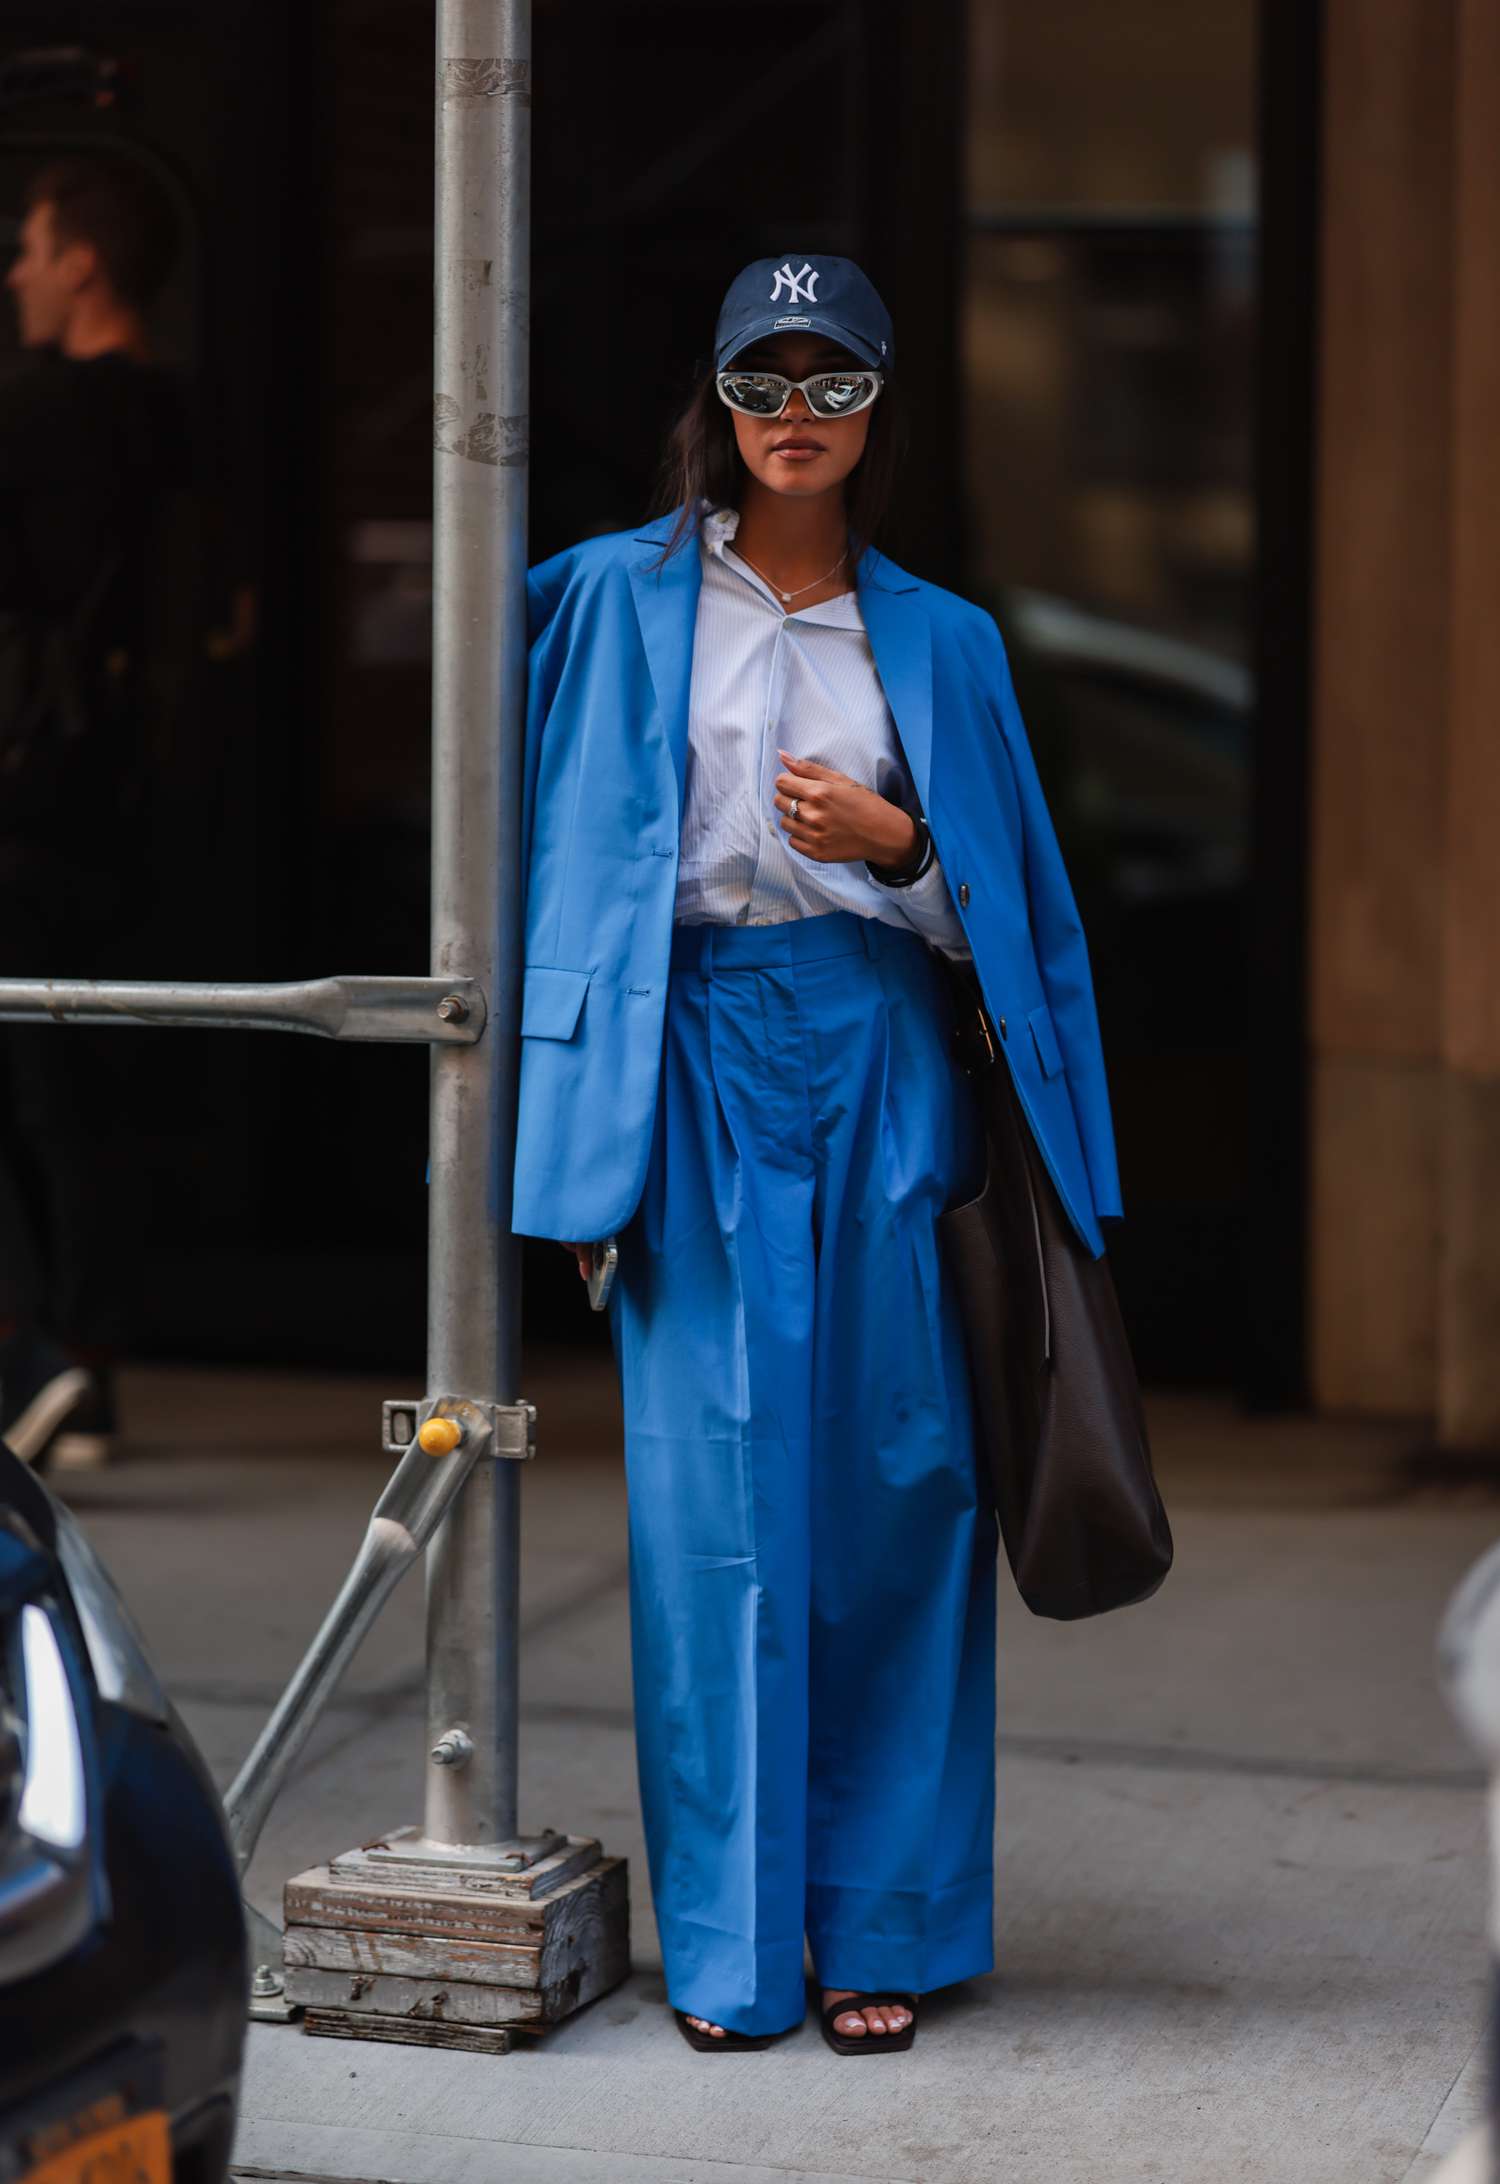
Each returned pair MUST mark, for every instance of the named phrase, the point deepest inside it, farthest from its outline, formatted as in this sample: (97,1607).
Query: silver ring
(794,808)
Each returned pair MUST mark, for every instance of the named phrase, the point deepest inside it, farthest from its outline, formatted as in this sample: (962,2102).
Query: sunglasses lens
(756,393)
(836,394)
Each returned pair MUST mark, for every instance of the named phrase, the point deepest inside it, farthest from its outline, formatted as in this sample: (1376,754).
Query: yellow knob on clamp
(440,1436)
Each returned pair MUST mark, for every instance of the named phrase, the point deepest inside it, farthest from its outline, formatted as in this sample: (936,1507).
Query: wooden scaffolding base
(384,1944)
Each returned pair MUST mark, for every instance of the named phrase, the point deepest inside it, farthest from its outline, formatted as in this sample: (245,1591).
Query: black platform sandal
(869,2043)
(704,2041)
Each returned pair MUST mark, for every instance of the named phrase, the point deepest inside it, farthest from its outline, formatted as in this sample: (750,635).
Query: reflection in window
(1109,324)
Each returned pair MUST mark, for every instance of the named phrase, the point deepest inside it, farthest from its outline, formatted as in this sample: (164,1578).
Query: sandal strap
(872,1997)
(728,2038)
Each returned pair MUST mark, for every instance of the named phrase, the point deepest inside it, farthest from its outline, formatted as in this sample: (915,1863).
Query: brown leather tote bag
(1057,1406)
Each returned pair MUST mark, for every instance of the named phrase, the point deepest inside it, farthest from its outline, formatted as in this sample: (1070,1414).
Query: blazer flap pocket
(1048,1050)
(551,1000)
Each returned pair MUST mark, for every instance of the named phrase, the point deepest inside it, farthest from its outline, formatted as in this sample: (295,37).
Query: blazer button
(1003,1032)
(963,894)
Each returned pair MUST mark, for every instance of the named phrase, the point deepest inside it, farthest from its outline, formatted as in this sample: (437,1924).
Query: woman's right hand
(584,1254)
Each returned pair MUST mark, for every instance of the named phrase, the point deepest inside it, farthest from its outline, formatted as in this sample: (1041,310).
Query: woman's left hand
(838,819)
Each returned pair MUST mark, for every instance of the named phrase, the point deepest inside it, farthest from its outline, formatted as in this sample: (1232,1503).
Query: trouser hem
(768,1994)
(882,1938)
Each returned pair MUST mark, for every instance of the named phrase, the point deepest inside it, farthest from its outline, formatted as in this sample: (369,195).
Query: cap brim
(808,323)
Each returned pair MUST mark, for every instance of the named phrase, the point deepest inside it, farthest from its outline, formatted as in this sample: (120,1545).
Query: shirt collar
(718,529)
(719,526)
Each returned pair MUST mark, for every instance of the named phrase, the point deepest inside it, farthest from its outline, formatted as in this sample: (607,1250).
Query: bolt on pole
(482,206)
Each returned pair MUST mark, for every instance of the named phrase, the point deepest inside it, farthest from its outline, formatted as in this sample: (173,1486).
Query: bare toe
(880,2018)
(849,2021)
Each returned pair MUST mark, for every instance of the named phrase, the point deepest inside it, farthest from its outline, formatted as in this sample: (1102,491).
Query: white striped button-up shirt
(806,681)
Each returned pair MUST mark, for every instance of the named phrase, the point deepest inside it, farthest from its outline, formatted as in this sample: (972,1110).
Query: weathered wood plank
(587,1949)
(409,2031)
(319,1897)
(448,2001)
(412,1956)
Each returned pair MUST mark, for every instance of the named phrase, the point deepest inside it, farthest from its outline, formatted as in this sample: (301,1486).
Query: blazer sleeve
(1061,950)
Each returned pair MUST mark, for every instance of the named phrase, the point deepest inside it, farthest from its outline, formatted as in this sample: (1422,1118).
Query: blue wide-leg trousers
(812,1563)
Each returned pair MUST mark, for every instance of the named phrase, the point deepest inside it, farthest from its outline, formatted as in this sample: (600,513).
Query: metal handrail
(447,1011)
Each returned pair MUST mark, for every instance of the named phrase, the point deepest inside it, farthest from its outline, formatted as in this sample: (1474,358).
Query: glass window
(1109,327)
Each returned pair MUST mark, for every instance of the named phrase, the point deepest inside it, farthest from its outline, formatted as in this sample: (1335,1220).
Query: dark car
(122,1937)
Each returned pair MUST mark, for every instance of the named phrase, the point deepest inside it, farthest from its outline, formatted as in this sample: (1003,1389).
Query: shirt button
(963,894)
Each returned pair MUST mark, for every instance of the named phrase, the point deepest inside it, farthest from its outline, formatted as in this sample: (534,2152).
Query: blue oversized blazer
(610,661)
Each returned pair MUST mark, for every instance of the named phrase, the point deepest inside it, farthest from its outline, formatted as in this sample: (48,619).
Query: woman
(770,777)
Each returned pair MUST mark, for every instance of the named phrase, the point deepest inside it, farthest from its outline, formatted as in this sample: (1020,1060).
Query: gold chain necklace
(786,597)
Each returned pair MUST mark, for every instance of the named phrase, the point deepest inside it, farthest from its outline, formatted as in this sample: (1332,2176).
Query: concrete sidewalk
(1240,1852)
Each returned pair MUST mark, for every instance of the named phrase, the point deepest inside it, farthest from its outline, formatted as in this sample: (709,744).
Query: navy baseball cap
(797,294)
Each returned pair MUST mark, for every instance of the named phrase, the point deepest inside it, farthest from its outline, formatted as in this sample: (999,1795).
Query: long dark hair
(701,463)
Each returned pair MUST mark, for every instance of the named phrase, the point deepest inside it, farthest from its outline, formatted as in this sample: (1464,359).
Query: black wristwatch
(920,858)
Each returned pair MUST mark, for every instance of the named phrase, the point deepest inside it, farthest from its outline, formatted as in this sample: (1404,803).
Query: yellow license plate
(136,2150)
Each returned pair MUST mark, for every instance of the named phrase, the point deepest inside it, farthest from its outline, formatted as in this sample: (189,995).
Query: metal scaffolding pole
(482,206)
(465,1932)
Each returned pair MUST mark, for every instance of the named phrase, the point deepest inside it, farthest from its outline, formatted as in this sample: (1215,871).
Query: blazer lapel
(666,606)
(901,639)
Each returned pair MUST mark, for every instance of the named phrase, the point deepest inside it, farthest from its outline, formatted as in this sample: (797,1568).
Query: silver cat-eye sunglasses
(827,394)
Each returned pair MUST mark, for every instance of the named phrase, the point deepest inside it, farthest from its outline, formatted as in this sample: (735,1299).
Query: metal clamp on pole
(512,1426)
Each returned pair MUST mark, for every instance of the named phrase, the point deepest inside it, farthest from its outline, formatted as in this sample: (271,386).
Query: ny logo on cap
(795,291)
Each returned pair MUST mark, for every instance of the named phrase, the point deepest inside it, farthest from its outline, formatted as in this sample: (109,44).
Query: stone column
(1405,883)
(1379,766)
(1468,1378)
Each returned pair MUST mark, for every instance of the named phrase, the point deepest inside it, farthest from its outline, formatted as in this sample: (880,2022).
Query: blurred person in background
(91,433)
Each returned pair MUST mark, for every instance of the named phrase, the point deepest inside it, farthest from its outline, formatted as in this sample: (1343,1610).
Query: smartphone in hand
(602,1272)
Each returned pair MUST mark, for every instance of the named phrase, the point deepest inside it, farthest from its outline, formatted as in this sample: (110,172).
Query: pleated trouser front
(812,1566)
